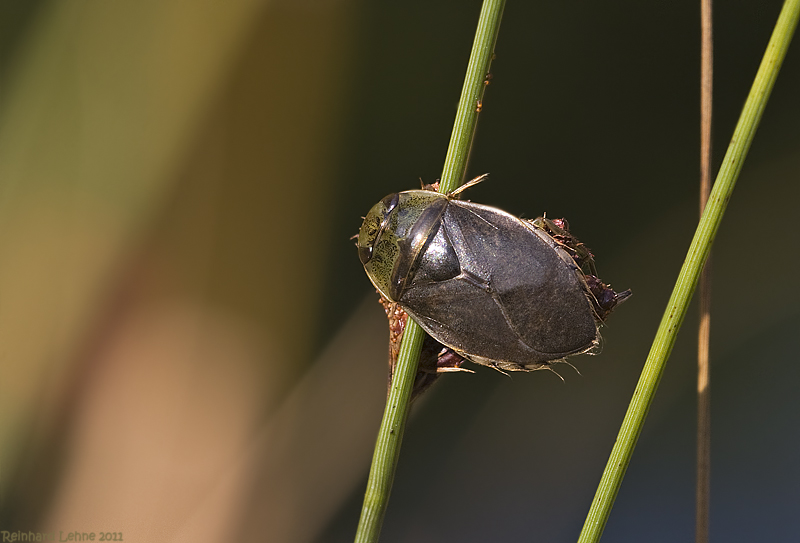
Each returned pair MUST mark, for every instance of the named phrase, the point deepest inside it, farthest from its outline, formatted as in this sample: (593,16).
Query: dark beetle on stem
(501,291)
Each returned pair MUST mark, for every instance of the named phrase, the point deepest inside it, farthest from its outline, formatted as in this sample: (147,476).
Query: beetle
(498,290)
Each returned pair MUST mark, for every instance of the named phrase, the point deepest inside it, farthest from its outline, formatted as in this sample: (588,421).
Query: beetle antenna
(468,184)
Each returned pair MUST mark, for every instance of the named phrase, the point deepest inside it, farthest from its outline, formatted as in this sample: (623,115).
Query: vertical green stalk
(469,105)
(390,435)
(690,272)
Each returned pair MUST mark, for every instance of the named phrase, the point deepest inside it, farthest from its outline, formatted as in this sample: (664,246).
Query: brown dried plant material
(434,358)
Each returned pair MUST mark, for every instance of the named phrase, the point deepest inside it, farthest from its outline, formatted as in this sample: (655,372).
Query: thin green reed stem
(690,272)
(471,101)
(390,434)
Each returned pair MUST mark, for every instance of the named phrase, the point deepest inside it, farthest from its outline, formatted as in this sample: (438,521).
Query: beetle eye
(376,221)
(390,202)
(365,254)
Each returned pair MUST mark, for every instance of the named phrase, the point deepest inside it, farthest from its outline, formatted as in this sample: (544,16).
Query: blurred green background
(191,351)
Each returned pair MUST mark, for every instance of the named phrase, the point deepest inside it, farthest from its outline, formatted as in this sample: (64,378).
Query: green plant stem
(471,101)
(390,435)
(690,272)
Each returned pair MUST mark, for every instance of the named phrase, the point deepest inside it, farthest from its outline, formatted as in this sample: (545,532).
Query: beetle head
(389,243)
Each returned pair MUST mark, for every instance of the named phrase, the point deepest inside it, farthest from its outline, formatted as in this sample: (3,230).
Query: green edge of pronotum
(392,426)
(690,272)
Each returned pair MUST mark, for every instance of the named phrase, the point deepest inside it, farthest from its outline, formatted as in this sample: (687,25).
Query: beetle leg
(448,361)
(550,367)
(558,230)
(565,361)
(468,184)
(496,367)
(453,370)
(604,298)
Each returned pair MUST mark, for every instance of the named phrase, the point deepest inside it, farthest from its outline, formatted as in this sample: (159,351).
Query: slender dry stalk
(702,491)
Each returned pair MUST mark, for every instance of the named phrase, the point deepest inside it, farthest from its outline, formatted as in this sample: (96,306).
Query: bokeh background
(190,350)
